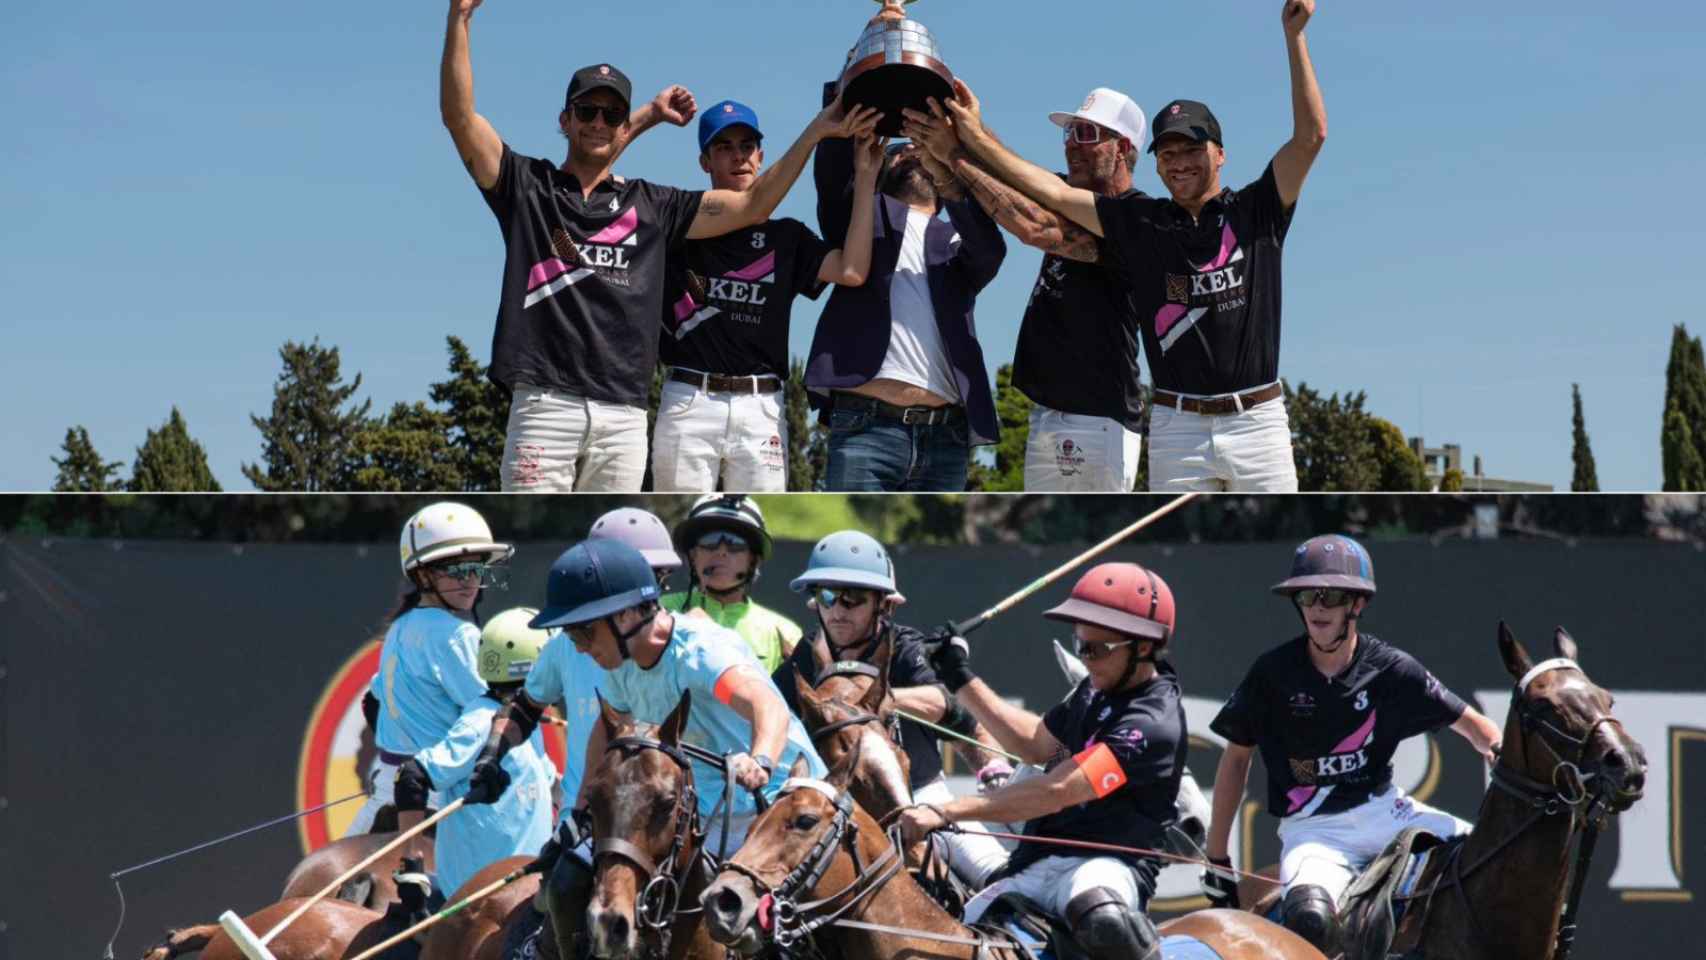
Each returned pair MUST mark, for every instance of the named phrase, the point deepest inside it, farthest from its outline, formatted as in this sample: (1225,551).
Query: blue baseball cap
(723,115)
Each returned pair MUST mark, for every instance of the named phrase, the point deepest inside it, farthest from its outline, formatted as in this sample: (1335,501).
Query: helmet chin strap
(623,638)
(879,623)
(1344,632)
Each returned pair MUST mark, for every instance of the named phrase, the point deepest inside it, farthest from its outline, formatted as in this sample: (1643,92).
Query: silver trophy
(896,64)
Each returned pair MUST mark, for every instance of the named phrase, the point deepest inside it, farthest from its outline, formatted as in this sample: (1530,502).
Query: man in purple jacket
(896,370)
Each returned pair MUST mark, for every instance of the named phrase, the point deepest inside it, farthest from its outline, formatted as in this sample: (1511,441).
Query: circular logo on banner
(337,749)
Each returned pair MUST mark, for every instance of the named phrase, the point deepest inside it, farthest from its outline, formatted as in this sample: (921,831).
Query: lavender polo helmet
(641,530)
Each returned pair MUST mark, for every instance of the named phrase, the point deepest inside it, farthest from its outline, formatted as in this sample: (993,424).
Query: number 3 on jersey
(1362,700)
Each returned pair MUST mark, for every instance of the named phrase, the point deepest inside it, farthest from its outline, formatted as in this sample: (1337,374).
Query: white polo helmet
(444,530)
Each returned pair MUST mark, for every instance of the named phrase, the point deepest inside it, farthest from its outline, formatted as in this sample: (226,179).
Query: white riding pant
(557,442)
(1329,850)
(381,792)
(972,857)
(1073,453)
(703,435)
(1247,452)
(1053,881)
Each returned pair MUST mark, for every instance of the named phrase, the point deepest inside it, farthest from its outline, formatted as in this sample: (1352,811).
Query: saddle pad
(1180,947)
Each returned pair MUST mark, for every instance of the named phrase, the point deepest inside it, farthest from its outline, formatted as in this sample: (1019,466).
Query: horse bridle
(1588,808)
(847,668)
(660,897)
(793,921)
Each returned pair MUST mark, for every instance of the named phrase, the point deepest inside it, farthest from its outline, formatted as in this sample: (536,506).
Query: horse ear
(1517,662)
(878,691)
(808,697)
(608,715)
(1563,644)
(802,767)
(669,732)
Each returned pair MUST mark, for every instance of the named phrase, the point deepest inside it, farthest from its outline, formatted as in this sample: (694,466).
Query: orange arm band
(1103,769)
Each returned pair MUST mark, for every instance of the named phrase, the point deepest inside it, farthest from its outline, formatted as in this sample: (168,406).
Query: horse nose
(728,910)
(1627,768)
(612,933)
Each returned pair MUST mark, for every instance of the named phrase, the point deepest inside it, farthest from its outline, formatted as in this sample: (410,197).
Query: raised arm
(674,104)
(723,211)
(1023,217)
(1033,181)
(1308,113)
(849,265)
(477,143)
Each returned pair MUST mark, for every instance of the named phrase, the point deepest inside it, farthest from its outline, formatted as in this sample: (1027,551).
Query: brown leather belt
(717,383)
(911,416)
(1219,406)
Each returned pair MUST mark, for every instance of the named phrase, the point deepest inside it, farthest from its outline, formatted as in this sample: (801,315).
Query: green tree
(1684,468)
(83,470)
(1584,479)
(171,461)
(1397,466)
(654,399)
(799,428)
(410,448)
(1452,481)
(1013,414)
(1685,394)
(478,414)
(1330,440)
(305,444)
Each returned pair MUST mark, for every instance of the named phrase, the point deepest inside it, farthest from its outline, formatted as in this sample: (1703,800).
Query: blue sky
(1506,204)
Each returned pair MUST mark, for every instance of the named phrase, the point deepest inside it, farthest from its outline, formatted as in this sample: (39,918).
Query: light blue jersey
(698,654)
(519,823)
(568,677)
(426,674)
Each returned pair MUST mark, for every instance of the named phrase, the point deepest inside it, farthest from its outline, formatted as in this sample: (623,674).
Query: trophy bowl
(896,64)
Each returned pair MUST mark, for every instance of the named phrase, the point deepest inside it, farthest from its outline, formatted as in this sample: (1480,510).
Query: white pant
(1073,453)
(1329,850)
(702,436)
(972,857)
(1247,452)
(557,442)
(1052,882)
(381,792)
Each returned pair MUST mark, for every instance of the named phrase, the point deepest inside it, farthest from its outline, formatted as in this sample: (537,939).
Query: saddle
(1368,913)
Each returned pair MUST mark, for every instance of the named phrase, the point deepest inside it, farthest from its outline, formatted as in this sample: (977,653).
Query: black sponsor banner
(161,694)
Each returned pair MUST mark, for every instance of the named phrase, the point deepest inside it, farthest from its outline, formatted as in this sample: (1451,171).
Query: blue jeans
(868,453)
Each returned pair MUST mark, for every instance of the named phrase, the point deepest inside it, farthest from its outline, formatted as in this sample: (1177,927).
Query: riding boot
(567,891)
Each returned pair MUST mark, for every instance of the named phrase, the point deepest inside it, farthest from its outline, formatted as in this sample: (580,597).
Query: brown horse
(1565,763)
(481,931)
(829,855)
(848,715)
(374,888)
(330,930)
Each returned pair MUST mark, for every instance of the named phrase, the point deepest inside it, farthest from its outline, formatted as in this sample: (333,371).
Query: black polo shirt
(1328,743)
(730,298)
(1207,289)
(1145,730)
(583,279)
(1077,350)
(907,668)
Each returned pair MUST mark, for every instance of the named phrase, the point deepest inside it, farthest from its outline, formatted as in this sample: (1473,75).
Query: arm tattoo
(1047,231)
(712,208)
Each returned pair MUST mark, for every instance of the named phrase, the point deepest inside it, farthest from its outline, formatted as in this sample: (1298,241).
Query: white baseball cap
(1111,109)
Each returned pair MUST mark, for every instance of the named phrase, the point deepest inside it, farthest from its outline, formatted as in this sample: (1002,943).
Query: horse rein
(1544,799)
(659,900)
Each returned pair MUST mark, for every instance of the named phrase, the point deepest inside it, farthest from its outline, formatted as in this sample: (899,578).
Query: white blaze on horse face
(879,752)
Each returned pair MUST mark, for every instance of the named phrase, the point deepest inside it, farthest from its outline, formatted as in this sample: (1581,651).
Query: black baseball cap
(599,75)
(1187,117)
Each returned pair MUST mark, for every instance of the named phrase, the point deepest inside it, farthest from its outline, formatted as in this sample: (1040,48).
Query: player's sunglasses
(487,574)
(723,538)
(1096,651)
(613,116)
(581,633)
(1081,131)
(1329,597)
(850,597)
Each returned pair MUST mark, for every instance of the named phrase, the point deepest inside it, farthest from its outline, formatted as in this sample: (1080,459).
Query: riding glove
(1220,888)
(488,782)
(950,657)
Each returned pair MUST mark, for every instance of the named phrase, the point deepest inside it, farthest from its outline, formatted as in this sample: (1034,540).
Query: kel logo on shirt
(1217,284)
(746,287)
(606,252)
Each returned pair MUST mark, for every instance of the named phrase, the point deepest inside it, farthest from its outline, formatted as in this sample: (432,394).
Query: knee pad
(1108,928)
(1309,911)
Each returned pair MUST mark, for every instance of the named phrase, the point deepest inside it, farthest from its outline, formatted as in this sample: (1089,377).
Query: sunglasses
(487,574)
(850,597)
(580,633)
(723,538)
(1329,597)
(1085,132)
(613,116)
(1096,651)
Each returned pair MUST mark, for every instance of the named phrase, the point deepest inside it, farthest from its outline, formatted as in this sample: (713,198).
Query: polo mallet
(255,948)
(457,907)
(967,626)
